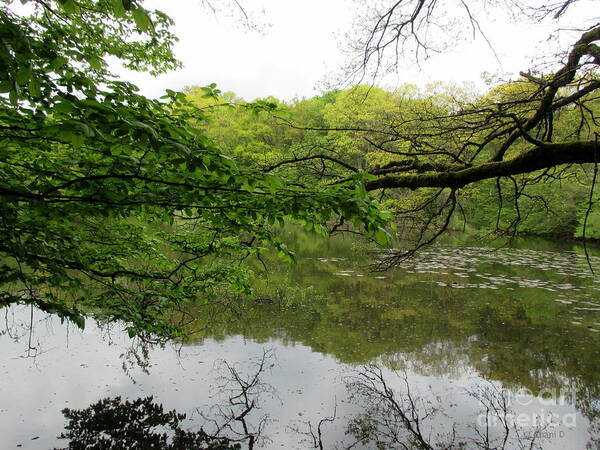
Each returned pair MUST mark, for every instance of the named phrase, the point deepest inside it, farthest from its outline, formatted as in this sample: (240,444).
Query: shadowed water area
(454,332)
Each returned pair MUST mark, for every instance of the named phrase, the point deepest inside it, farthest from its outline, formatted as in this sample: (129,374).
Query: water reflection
(397,416)
(453,322)
(243,392)
(116,424)
(390,412)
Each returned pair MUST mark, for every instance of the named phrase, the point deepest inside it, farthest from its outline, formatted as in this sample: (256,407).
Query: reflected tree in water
(244,392)
(402,418)
(314,435)
(114,424)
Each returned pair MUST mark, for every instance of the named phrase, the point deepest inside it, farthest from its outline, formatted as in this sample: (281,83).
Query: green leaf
(59,62)
(77,140)
(320,229)
(69,6)
(142,19)
(34,88)
(368,177)
(63,107)
(23,75)
(119,9)
(382,237)
(13,97)
(95,62)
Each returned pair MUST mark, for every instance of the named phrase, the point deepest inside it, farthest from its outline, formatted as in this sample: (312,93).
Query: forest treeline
(120,205)
(326,138)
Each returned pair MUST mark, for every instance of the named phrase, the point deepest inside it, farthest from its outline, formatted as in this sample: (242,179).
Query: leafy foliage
(113,424)
(117,204)
(327,138)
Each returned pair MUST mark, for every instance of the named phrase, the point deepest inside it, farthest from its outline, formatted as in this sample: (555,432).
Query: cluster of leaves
(113,424)
(117,204)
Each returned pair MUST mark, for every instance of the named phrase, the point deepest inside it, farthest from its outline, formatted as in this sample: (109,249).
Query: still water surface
(458,327)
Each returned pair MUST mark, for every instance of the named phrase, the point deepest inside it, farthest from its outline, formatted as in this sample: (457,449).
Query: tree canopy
(117,204)
(114,203)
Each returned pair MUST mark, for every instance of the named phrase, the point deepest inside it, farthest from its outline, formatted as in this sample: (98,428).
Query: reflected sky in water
(452,320)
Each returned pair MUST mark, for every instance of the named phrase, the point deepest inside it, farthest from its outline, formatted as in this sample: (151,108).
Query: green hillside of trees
(325,138)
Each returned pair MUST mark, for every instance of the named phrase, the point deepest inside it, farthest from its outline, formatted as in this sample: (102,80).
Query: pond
(463,345)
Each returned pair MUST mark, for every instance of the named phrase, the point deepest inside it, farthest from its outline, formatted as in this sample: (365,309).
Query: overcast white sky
(300,46)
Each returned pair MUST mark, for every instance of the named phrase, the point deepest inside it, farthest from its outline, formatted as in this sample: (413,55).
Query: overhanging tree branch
(537,158)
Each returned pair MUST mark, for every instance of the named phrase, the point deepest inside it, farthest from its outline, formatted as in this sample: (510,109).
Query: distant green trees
(325,138)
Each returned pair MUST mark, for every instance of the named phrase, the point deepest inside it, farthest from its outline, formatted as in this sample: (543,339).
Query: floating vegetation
(330,259)
(564,302)
(562,275)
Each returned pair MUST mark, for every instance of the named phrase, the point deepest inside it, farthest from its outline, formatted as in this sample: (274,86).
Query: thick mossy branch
(541,157)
